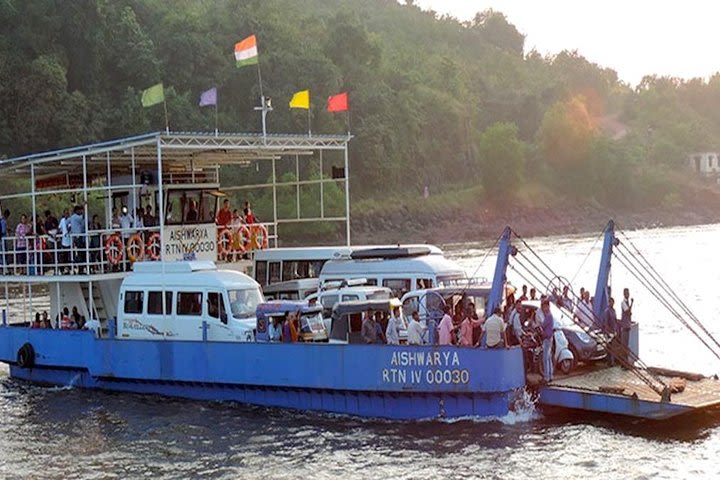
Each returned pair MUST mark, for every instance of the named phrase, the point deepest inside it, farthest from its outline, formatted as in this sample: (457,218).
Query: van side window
(347,298)
(155,303)
(424,283)
(189,303)
(274,272)
(371,282)
(133,302)
(399,286)
(216,307)
(261,272)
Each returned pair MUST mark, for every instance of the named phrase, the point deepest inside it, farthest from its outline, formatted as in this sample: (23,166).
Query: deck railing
(115,250)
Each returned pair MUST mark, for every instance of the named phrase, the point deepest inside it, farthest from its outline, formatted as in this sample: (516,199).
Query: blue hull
(364,380)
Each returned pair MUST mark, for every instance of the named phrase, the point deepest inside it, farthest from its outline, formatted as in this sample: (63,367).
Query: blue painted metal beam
(498,284)
(600,301)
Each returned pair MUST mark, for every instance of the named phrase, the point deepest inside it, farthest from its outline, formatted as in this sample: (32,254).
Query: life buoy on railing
(224,243)
(153,247)
(135,248)
(114,249)
(258,237)
(241,240)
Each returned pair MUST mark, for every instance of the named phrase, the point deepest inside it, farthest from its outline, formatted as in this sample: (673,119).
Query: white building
(705,163)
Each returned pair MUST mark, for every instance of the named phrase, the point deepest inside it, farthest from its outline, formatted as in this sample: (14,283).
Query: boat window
(189,303)
(189,207)
(399,286)
(244,302)
(155,303)
(274,272)
(261,272)
(133,302)
(347,298)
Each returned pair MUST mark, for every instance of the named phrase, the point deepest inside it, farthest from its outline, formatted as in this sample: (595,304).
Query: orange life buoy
(244,238)
(135,248)
(258,237)
(153,247)
(114,249)
(224,242)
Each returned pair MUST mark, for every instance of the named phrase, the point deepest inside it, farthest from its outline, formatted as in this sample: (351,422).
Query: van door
(188,314)
(162,320)
(216,317)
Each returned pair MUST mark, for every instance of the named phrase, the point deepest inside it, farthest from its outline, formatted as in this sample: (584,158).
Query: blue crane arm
(497,291)
(600,301)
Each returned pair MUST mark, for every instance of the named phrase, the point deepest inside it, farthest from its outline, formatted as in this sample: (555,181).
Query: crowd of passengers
(50,241)
(66,320)
(506,327)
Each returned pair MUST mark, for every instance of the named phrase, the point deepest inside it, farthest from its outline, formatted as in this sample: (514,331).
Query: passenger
(446,328)
(192,214)
(516,321)
(379,334)
(494,330)
(467,327)
(583,310)
(115,219)
(66,322)
(78,319)
(610,327)
(95,240)
(22,230)
(368,331)
(139,219)
(148,218)
(524,296)
(37,323)
(392,332)
(548,326)
(224,215)
(235,224)
(289,332)
(250,217)
(77,230)
(126,222)
(274,330)
(626,318)
(45,321)
(415,330)
(65,241)
(533,294)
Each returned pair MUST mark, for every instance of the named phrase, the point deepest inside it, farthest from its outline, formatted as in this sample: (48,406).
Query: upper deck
(160,196)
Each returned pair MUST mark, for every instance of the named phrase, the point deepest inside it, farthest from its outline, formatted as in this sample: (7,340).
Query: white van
(401,269)
(195,292)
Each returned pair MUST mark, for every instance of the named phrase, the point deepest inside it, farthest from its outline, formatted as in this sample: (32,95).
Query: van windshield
(244,302)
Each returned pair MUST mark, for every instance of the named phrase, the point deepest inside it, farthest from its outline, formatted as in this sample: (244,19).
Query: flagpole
(309,126)
(167,125)
(216,123)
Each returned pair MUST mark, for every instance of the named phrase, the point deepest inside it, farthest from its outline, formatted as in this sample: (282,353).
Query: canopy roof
(177,150)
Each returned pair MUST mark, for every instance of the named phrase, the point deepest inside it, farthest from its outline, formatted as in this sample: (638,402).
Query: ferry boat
(173,313)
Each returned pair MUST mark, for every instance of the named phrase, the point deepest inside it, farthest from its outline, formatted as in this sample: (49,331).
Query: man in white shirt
(583,310)
(494,329)
(391,332)
(65,240)
(517,317)
(415,330)
(125,222)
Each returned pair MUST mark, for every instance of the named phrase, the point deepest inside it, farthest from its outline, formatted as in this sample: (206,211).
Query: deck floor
(698,393)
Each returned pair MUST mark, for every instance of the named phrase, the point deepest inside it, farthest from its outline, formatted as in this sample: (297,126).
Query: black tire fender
(26,356)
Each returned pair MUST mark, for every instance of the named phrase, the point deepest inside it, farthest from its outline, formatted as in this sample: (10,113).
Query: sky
(633,37)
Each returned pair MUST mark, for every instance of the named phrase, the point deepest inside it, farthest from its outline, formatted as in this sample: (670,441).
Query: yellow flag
(301,100)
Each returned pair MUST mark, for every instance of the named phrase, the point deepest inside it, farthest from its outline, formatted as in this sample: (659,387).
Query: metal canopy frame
(167,152)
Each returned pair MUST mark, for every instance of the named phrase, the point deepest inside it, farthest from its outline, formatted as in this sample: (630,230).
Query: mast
(505,249)
(600,301)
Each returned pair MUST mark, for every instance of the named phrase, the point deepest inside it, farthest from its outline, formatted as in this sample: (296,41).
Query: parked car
(583,347)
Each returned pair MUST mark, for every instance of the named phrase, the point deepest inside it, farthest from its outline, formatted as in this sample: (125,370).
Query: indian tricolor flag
(246,52)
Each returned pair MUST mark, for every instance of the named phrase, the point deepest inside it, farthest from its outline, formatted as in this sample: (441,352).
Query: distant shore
(487,224)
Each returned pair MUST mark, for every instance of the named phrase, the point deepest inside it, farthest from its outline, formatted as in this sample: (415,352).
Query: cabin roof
(177,149)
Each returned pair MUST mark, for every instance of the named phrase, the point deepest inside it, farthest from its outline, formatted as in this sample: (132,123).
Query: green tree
(502,157)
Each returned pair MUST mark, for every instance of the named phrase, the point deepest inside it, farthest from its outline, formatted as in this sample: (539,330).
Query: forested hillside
(434,102)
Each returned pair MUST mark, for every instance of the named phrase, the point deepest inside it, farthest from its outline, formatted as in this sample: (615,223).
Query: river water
(69,433)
